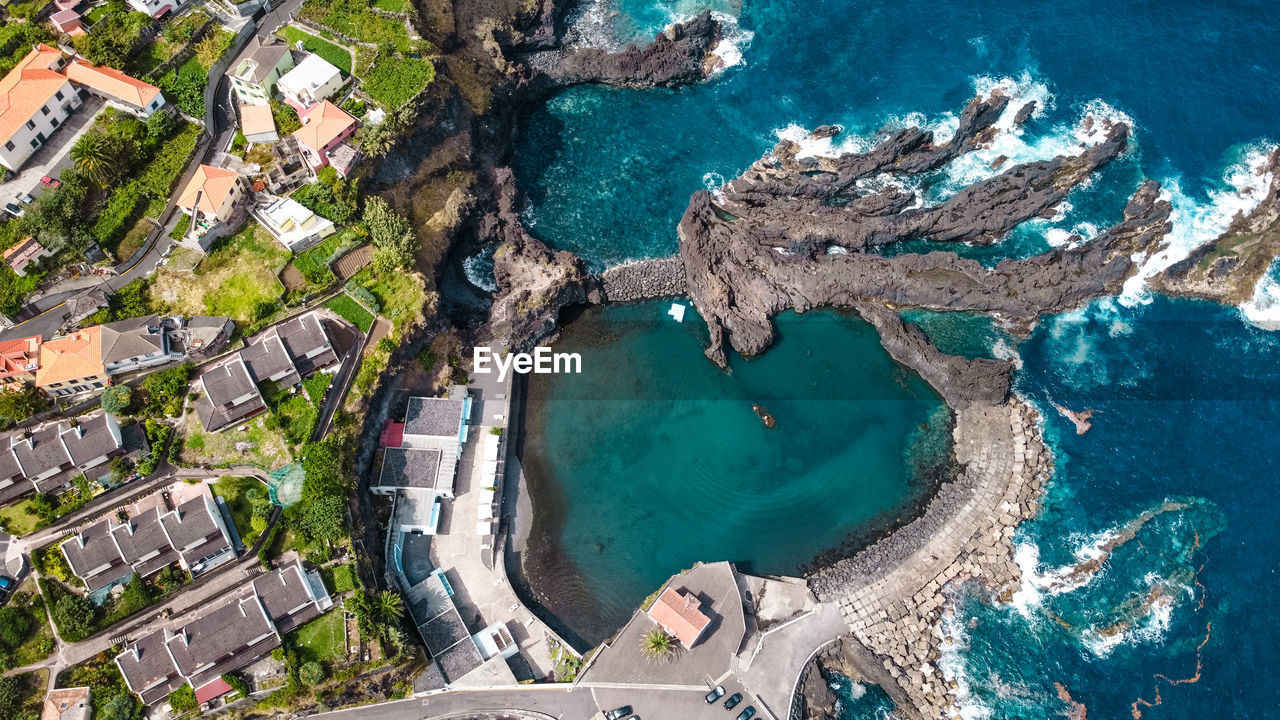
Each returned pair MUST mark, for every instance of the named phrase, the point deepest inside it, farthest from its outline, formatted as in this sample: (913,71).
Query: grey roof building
(49,457)
(229,395)
(308,344)
(270,362)
(224,639)
(424,466)
(135,344)
(434,418)
(193,535)
(255,71)
(202,336)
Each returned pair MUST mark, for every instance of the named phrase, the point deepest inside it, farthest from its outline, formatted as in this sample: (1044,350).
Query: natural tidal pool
(652,459)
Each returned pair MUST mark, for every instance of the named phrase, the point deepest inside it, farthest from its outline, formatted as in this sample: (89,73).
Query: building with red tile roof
(324,128)
(138,97)
(72,364)
(19,359)
(35,99)
(25,252)
(679,613)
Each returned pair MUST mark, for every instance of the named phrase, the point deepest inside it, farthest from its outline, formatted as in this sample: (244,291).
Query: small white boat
(677,312)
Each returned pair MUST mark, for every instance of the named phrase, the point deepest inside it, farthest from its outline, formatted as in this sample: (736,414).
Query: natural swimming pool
(653,459)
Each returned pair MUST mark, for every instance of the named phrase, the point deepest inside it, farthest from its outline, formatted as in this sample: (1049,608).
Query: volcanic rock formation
(801,232)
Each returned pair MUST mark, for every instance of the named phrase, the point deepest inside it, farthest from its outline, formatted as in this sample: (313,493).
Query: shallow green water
(653,459)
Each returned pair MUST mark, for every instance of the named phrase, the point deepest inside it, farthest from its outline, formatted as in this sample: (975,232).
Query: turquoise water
(653,459)
(1184,392)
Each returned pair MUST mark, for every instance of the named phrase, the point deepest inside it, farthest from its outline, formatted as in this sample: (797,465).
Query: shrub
(311,673)
(115,399)
(183,700)
(237,683)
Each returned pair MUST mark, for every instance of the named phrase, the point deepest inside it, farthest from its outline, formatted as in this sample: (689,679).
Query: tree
(183,700)
(390,607)
(120,707)
(162,124)
(115,399)
(120,467)
(311,673)
(95,157)
(165,390)
(657,645)
(74,616)
(391,234)
(12,695)
(14,625)
(21,403)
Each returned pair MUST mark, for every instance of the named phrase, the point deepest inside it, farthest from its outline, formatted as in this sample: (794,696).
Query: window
(31,125)
(54,121)
(40,136)
(44,110)
(8,146)
(58,95)
(35,144)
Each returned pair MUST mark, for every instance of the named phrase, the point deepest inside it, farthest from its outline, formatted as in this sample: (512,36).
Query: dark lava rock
(681,55)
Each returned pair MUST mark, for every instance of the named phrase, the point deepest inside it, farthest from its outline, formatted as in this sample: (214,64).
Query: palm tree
(658,646)
(95,158)
(390,606)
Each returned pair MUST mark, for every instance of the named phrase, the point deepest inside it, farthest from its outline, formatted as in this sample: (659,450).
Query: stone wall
(645,280)
(891,594)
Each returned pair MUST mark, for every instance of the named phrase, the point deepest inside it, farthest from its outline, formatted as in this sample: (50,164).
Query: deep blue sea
(1179,622)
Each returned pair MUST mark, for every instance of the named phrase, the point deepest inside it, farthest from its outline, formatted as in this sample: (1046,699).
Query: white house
(291,223)
(313,80)
(35,100)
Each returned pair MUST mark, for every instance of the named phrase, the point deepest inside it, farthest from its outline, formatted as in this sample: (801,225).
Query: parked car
(7,585)
(25,198)
(747,713)
(716,693)
(618,713)
(14,210)
(50,182)
(733,701)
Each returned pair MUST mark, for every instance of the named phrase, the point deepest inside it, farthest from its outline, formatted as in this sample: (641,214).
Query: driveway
(53,157)
(556,701)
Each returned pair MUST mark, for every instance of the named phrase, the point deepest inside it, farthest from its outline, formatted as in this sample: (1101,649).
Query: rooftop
(76,356)
(132,338)
(209,188)
(679,612)
(27,87)
(112,83)
(260,55)
(256,120)
(409,468)
(313,72)
(18,356)
(323,124)
(438,417)
(66,704)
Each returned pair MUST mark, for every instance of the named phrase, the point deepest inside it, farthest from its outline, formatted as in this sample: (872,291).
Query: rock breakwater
(891,595)
(645,280)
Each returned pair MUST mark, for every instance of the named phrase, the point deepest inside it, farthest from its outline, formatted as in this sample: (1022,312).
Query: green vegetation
(20,404)
(399,295)
(132,300)
(656,645)
(313,262)
(183,700)
(110,697)
(568,665)
(394,80)
(77,618)
(339,578)
(19,518)
(330,196)
(162,393)
(40,511)
(253,443)
(116,39)
(391,5)
(180,227)
(48,560)
(184,86)
(21,696)
(158,435)
(295,414)
(353,18)
(335,55)
(247,500)
(323,639)
(286,117)
(352,312)
(16,40)
(116,398)
(236,279)
(25,636)
(237,683)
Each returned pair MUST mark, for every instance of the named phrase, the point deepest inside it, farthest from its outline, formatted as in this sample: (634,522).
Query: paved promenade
(891,594)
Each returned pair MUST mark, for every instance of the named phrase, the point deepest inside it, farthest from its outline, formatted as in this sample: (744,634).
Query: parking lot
(656,704)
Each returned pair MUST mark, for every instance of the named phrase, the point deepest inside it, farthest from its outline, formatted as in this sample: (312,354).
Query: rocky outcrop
(645,280)
(534,282)
(680,55)
(1228,269)
(960,381)
(801,232)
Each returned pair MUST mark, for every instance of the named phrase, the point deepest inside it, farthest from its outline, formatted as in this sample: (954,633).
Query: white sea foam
(479,270)
(733,41)
(1263,309)
(1002,350)
(1150,629)
(952,666)
(1244,185)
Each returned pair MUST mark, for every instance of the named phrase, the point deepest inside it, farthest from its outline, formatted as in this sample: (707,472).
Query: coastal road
(556,701)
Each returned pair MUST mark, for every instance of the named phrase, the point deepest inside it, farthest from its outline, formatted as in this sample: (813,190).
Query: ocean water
(653,459)
(1177,622)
